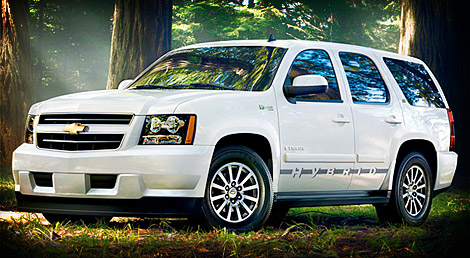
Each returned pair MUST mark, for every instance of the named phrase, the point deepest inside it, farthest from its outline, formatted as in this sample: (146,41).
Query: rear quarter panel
(424,123)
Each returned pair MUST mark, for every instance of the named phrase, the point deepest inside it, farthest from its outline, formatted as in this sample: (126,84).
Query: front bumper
(162,207)
(141,171)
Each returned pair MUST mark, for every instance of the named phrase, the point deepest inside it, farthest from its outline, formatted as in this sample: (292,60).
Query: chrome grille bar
(69,141)
(89,119)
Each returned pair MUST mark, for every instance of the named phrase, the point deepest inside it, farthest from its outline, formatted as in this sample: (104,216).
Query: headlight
(168,129)
(29,129)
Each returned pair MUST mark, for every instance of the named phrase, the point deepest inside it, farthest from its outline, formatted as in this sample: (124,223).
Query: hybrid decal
(263,107)
(332,171)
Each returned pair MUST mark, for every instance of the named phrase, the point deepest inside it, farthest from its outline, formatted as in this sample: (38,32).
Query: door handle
(341,119)
(393,120)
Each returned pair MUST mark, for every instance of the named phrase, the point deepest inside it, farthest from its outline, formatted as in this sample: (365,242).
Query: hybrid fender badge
(75,128)
(263,107)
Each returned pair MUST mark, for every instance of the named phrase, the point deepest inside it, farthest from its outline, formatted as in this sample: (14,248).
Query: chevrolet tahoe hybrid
(233,132)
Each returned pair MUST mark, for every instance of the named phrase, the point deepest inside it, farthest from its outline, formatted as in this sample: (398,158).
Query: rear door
(378,119)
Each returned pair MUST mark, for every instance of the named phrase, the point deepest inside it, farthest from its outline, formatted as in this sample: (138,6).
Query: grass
(7,193)
(345,231)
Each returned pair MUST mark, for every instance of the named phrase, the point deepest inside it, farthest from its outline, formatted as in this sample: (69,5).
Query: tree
(436,32)
(141,34)
(15,76)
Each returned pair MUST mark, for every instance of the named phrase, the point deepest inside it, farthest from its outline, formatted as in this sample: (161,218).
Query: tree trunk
(38,73)
(141,34)
(436,32)
(15,76)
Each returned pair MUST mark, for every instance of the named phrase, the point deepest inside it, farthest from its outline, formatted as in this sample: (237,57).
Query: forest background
(71,40)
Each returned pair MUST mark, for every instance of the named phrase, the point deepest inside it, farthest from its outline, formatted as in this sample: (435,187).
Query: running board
(334,198)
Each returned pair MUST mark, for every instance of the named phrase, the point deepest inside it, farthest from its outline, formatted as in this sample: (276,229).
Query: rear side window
(415,83)
(365,82)
(315,61)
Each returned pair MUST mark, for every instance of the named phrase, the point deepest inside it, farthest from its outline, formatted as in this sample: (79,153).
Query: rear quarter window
(415,83)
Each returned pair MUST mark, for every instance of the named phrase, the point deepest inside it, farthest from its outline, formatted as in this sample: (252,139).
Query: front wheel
(239,193)
(412,192)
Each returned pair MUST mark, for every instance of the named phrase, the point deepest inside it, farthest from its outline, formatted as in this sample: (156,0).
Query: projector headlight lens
(155,124)
(168,129)
(173,124)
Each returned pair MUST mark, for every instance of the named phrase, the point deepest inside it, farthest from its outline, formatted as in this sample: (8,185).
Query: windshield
(215,68)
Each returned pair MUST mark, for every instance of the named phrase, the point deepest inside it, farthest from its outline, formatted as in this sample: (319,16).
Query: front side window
(415,83)
(249,68)
(365,82)
(317,62)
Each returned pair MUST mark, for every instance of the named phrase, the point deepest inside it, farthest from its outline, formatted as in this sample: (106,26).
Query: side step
(333,198)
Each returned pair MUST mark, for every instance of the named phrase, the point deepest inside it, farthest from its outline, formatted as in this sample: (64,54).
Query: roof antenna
(271,38)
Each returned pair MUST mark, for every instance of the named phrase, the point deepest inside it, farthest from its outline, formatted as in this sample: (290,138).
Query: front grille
(88,119)
(42,179)
(79,142)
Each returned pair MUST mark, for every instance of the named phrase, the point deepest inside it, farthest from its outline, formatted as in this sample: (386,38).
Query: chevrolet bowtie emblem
(75,128)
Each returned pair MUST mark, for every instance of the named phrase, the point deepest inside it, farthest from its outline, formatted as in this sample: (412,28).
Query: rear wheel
(238,193)
(412,192)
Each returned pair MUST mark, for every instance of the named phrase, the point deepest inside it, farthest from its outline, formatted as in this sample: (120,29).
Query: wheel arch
(256,142)
(425,147)
(241,144)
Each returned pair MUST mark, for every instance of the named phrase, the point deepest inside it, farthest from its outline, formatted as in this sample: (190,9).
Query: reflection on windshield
(217,68)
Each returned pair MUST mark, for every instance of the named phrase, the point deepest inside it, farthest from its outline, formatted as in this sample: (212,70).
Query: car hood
(138,102)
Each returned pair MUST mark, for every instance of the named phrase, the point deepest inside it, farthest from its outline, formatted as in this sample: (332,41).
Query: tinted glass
(415,83)
(231,68)
(315,62)
(365,82)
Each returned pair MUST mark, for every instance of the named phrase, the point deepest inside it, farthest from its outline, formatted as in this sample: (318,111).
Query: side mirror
(124,84)
(306,85)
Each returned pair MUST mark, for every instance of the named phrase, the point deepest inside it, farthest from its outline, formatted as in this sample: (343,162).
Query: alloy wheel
(414,190)
(234,192)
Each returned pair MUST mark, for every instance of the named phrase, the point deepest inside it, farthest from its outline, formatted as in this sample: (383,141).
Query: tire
(411,198)
(239,194)
(54,218)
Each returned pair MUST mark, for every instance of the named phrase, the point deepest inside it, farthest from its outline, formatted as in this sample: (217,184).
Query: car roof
(304,44)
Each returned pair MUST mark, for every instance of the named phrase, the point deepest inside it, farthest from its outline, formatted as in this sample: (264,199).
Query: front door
(317,136)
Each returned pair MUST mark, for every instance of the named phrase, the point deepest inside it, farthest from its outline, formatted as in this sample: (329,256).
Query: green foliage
(368,23)
(208,21)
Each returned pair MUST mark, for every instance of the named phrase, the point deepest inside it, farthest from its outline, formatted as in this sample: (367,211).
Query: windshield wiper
(150,86)
(202,85)
(175,86)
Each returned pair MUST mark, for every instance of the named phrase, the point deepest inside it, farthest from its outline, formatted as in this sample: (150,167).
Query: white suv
(235,131)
